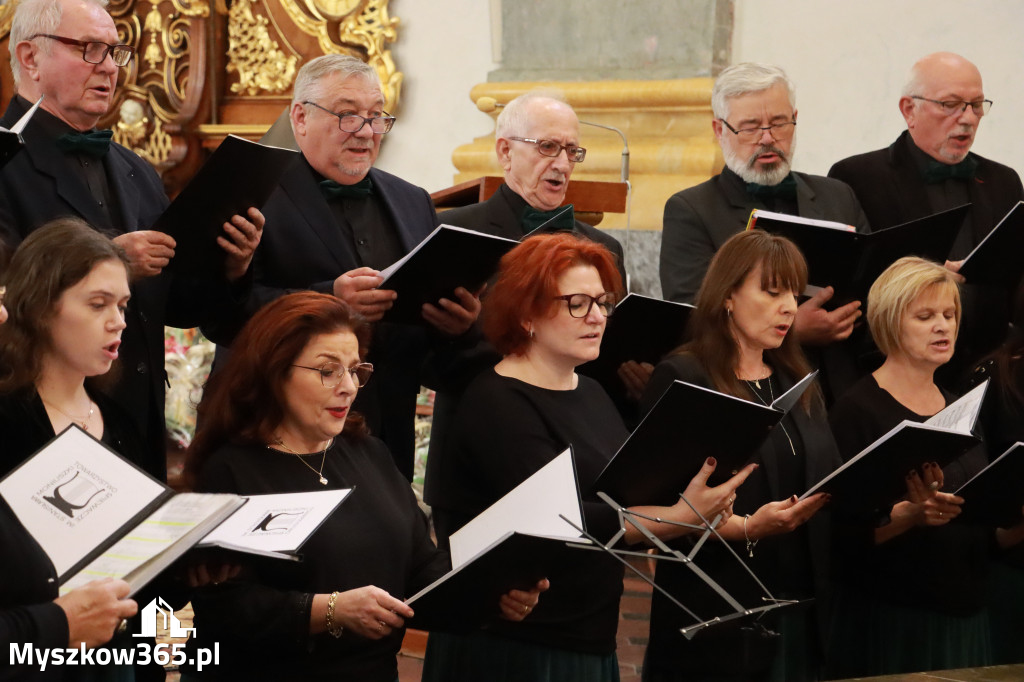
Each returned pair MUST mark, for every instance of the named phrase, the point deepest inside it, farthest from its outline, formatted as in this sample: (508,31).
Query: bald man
(931,168)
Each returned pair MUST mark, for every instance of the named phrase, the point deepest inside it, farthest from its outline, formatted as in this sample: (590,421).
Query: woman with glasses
(276,419)
(546,315)
(742,346)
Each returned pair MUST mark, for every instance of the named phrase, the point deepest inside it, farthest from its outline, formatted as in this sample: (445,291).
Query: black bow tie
(560,219)
(334,190)
(939,172)
(93,143)
(784,190)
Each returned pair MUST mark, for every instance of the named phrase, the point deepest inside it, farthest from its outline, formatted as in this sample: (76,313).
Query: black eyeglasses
(94,51)
(553,149)
(951,107)
(331,373)
(580,304)
(779,131)
(353,123)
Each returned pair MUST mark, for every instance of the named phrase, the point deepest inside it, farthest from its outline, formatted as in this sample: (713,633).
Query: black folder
(11,140)
(686,426)
(875,478)
(851,261)
(997,259)
(465,598)
(450,257)
(643,329)
(995,495)
(240,174)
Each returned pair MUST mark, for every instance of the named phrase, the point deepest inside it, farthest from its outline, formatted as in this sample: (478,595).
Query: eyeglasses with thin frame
(580,304)
(553,149)
(94,51)
(780,131)
(353,123)
(331,373)
(952,107)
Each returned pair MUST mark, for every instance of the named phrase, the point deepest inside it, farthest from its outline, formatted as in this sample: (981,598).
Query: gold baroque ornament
(253,55)
(362,28)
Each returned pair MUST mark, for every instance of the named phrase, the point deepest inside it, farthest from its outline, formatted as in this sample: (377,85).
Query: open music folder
(875,478)
(97,515)
(996,260)
(11,140)
(510,545)
(686,426)
(850,261)
(995,495)
(448,258)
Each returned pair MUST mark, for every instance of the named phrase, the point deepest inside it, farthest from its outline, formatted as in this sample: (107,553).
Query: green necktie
(94,143)
(333,190)
(560,219)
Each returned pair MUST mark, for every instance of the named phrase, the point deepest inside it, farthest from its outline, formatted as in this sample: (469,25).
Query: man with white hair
(754,122)
(930,168)
(335,221)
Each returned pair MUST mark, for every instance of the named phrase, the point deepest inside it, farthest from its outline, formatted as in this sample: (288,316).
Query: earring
(531,332)
(728,312)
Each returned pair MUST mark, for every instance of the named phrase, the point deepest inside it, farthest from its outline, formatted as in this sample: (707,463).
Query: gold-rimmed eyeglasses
(331,373)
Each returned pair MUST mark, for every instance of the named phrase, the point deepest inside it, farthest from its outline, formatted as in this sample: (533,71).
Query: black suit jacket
(892,192)
(721,650)
(700,219)
(39,185)
(303,249)
(453,367)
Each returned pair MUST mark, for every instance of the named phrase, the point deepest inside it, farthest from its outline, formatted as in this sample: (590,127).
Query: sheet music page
(161,529)
(962,414)
(532,507)
(75,493)
(276,523)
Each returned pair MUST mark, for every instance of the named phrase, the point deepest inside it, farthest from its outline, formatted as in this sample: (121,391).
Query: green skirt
(480,656)
(872,637)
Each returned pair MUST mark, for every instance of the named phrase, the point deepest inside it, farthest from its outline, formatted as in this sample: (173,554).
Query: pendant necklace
(80,421)
(771,395)
(323,481)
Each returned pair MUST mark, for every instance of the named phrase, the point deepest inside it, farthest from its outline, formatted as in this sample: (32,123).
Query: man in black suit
(930,168)
(66,52)
(537,143)
(335,222)
(754,122)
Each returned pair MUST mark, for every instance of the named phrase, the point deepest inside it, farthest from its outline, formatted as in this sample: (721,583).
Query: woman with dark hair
(546,315)
(741,346)
(913,588)
(276,419)
(66,288)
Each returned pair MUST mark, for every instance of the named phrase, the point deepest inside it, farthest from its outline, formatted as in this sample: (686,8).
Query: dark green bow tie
(784,190)
(334,190)
(939,172)
(94,143)
(559,220)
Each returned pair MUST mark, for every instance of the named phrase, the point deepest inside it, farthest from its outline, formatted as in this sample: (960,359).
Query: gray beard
(749,172)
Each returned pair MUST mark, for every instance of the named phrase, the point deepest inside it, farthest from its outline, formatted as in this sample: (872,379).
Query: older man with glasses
(335,222)
(67,53)
(930,168)
(755,122)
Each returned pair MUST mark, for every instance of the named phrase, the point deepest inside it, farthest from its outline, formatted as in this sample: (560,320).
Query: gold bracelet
(335,629)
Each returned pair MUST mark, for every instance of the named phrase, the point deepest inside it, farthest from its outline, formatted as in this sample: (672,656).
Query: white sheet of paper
(531,507)
(165,526)
(761,213)
(276,523)
(961,414)
(75,493)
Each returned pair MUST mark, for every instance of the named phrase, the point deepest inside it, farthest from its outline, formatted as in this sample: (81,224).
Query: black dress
(798,453)
(378,536)
(917,601)
(504,431)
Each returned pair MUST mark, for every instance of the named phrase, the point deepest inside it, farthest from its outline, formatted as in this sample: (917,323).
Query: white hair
(32,17)
(746,78)
(513,120)
(307,82)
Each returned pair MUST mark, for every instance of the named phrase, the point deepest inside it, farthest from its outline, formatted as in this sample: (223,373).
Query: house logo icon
(158,607)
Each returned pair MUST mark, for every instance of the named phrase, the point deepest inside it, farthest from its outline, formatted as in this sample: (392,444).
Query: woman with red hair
(276,419)
(546,315)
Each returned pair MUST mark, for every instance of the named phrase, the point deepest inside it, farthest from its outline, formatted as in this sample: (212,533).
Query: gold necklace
(771,395)
(323,481)
(766,374)
(81,421)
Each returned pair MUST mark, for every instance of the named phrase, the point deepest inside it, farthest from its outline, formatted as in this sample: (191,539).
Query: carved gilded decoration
(362,28)
(252,54)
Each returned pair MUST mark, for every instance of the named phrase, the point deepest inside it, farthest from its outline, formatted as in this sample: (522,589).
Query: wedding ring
(940,515)
(380,627)
(526,609)
(934,485)
(122,626)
